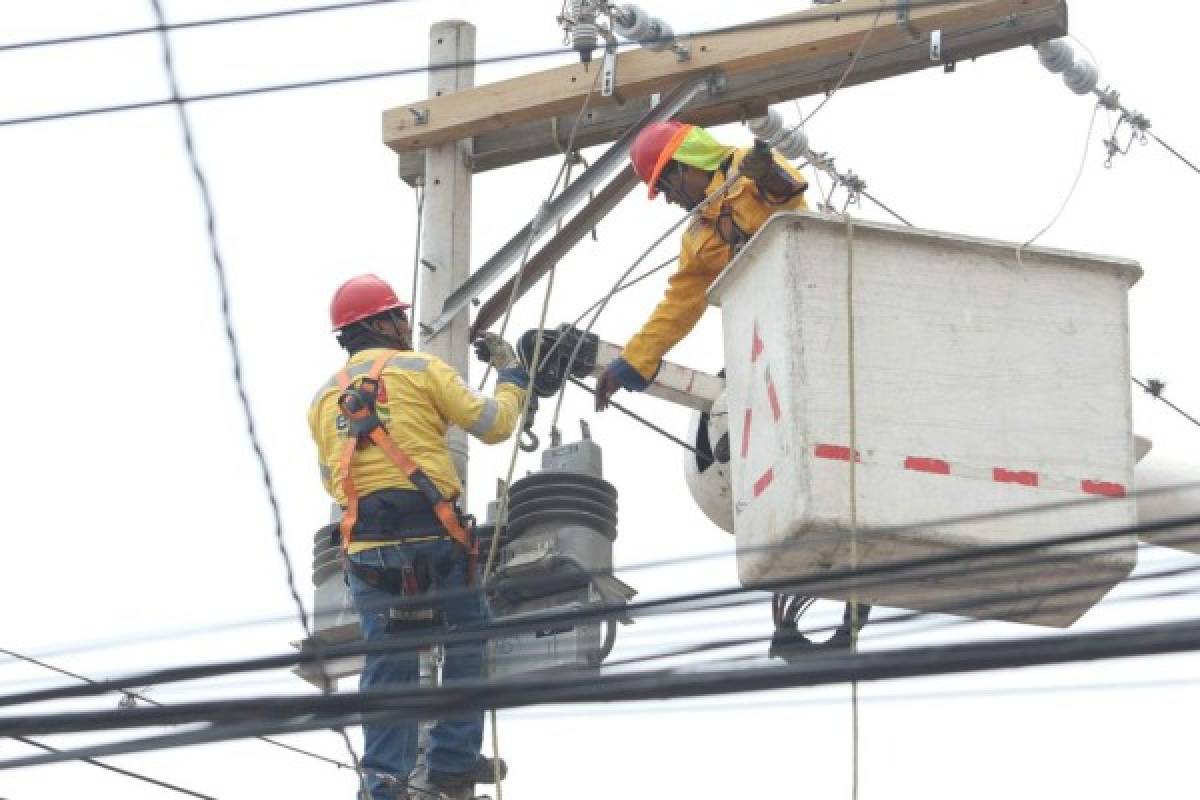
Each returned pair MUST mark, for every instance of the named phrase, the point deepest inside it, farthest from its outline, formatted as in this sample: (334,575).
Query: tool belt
(412,584)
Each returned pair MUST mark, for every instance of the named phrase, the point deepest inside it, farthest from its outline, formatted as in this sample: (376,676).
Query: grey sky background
(138,534)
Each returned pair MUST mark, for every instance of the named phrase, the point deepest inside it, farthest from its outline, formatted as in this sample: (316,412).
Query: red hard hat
(653,148)
(361,297)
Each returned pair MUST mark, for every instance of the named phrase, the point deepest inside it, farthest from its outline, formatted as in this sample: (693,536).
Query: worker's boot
(430,784)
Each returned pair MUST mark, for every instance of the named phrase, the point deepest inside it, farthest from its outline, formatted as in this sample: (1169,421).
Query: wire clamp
(608,78)
(420,115)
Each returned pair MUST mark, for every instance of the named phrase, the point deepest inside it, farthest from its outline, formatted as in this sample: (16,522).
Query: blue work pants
(391,748)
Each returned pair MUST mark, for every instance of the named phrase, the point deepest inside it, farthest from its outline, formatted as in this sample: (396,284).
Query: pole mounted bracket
(904,19)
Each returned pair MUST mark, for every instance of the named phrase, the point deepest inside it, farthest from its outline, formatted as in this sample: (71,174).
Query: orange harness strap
(366,428)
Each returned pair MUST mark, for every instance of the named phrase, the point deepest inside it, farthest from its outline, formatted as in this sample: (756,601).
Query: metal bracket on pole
(608,80)
(904,18)
(549,215)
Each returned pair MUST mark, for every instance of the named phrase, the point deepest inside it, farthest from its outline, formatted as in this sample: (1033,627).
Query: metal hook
(528,441)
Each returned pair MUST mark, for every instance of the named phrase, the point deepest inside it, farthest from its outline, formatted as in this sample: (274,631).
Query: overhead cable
(126,772)
(218,262)
(841,579)
(199,23)
(1174,152)
(1155,389)
(315,712)
(145,699)
(416,70)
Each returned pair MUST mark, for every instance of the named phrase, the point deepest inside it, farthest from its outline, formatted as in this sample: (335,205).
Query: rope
(852,385)
(534,229)
(235,352)
(564,171)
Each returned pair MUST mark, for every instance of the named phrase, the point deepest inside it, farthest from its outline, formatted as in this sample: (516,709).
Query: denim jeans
(454,742)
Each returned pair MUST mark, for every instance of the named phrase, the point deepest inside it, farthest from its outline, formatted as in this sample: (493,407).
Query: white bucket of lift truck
(982,388)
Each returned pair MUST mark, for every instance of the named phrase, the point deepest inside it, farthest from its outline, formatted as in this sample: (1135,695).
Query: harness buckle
(358,405)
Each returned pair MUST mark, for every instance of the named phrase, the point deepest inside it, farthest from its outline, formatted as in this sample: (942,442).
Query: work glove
(491,349)
(620,374)
(759,162)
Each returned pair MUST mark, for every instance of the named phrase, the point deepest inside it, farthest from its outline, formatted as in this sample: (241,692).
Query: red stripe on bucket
(833,452)
(776,411)
(746,433)
(1104,489)
(1001,475)
(934,466)
(762,483)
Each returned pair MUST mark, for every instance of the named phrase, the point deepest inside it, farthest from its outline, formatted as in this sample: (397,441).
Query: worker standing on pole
(410,557)
(688,166)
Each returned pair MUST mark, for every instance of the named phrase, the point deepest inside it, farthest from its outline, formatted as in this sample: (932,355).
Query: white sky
(135,508)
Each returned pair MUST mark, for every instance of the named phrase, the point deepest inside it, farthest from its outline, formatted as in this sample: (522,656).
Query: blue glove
(514,375)
(619,375)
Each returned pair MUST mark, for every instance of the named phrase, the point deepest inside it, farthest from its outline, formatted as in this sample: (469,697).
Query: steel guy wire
(127,773)
(1155,390)
(693,601)
(312,712)
(200,23)
(417,70)
(965,519)
(144,698)
(235,350)
(1173,151)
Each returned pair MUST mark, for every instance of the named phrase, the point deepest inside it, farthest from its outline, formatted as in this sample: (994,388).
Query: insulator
(793,145)
(585,38)
(1082,77)
(632,22)
(767,127)
(662,37)
(1056,55)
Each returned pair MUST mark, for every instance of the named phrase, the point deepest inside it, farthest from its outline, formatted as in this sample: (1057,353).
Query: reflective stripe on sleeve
(408,363)
(487,418)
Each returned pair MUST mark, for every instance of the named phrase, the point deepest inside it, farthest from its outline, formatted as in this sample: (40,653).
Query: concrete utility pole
(446,244)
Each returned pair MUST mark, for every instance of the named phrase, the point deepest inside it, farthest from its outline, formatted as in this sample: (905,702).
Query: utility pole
(446,243)
(446,256)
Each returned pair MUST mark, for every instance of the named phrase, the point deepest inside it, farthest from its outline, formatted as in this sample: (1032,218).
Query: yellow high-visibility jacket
(420,397)
(705,252)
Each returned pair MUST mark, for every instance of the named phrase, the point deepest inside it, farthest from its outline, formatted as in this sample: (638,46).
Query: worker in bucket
(409,555)
(688,166)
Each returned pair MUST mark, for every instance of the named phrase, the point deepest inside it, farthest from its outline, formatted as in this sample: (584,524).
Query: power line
(843,579)
(416,70)
(200,23)
(127,773)
(1174,152)
(235,351)
(316,712)
(138,696)
(1155,389)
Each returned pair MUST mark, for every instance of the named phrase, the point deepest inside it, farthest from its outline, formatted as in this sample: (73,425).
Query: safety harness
(358,404)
